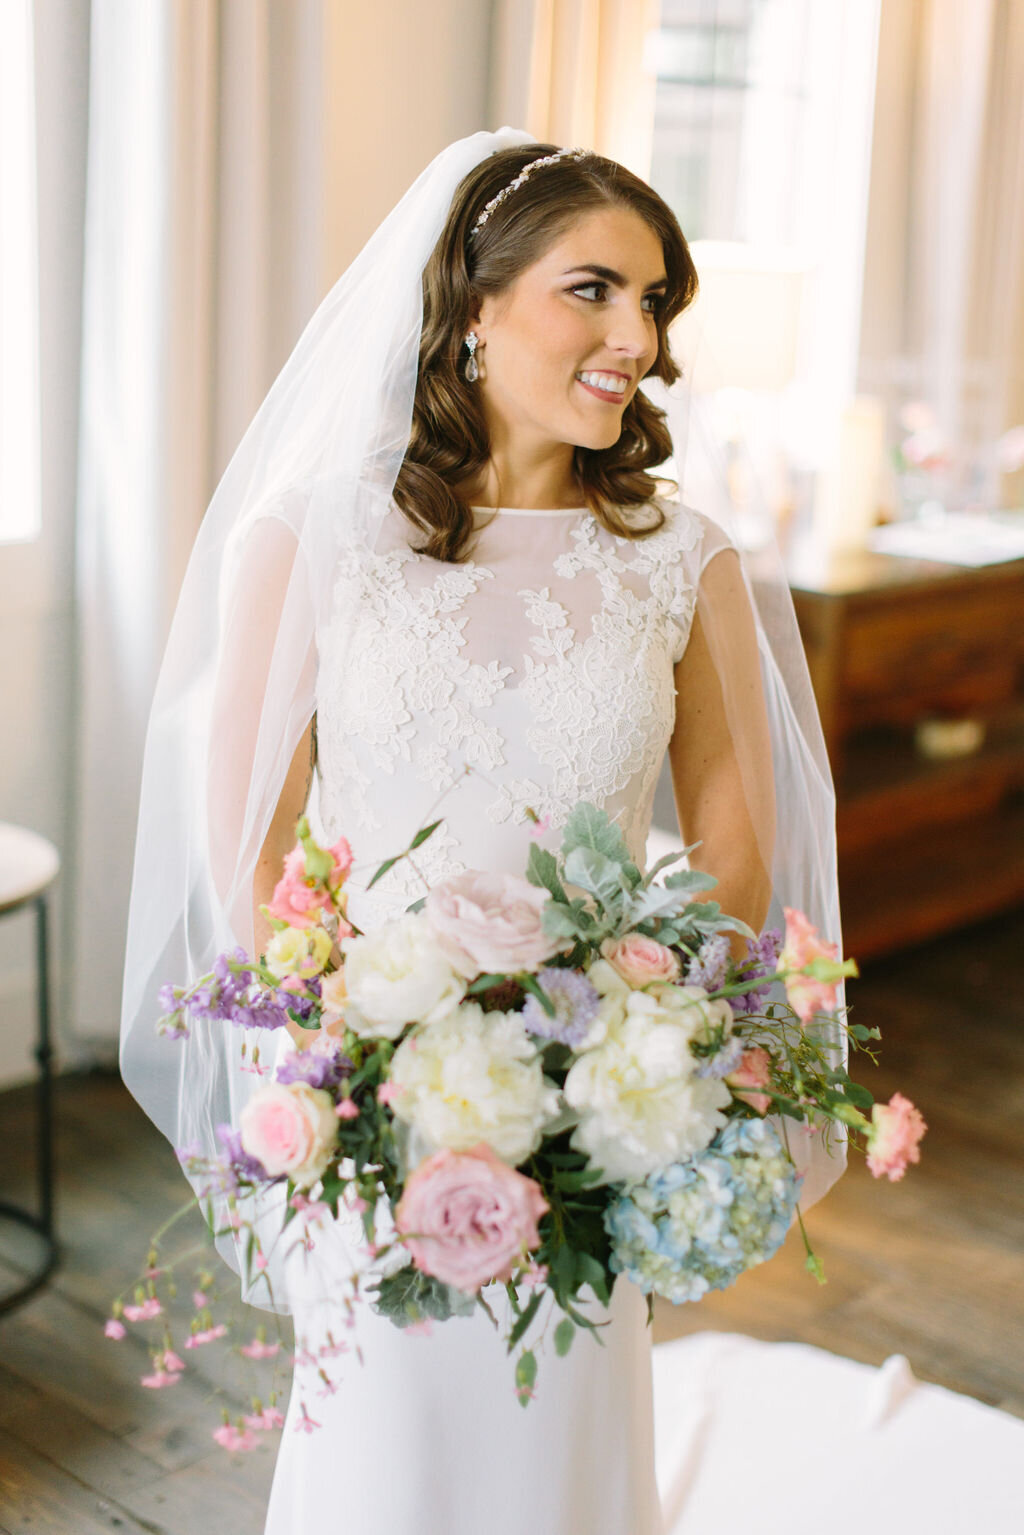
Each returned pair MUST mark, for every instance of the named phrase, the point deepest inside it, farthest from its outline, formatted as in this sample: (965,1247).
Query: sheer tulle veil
(238,684)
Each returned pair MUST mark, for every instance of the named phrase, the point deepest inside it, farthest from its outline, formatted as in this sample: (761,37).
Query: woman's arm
(720,751)
(280,840)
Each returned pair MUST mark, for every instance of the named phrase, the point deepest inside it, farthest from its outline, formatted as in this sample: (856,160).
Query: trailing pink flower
(261,1422)
(160,1378)
(259,1349)
(145,1311)
(347,1108)
(305,1424)
(114,1329)
(230,1437)
(896,1130)
(468,1217)
(170,1361)
(206,1335)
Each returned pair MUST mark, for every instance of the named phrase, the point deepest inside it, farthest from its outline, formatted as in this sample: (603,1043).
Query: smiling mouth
(613,396)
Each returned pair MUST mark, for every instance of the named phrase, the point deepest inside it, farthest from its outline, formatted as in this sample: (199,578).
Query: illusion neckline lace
(533,511)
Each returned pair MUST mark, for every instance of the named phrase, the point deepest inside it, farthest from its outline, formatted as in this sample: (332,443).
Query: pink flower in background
(640,960)
(896,1129)
(803,945)
(467,1217)
(259,1349)
(421,1329)
(539,827)
(387,1092)
(114,1329)
(752,1071)
(305,1424)
(207,1335)
(489,923)
(160,1378)
(145,1312)
(266,1419)
(230,1437)
(169,1361)
(347,1108)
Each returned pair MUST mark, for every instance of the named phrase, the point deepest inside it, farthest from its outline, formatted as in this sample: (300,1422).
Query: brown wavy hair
(449,442)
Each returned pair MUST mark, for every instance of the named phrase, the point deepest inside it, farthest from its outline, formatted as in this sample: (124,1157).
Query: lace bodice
(544,664)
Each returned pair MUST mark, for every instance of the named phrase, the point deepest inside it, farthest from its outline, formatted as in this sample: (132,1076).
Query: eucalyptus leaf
(590,827)
(542,870)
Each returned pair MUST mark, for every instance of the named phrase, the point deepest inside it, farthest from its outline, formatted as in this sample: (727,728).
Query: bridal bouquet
(537,1082)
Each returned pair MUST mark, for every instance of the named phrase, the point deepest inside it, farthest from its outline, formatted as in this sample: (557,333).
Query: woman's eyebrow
(610,275)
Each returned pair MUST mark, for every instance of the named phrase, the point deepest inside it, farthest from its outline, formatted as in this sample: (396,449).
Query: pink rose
(802,946)
(489,923)
(291,1128)
(641,960)
(299,897)
(896,1129)
(752,1071)
(468,1217)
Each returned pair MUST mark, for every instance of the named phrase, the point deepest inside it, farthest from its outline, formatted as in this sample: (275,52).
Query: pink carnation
(640,960)
(896,1129)
(145,1312)
(752,1071)
(489,923)
(113,1328)
(806,995)
(468,1217)
(298,897)
(258,1349)
(160,1378)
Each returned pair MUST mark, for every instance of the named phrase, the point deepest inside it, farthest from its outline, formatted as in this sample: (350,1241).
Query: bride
(439,579)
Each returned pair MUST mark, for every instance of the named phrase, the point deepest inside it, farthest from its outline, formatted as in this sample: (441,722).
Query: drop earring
(471,369)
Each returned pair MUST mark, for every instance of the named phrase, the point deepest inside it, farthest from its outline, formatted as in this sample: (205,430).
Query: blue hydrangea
(697,1225)
(576,1001)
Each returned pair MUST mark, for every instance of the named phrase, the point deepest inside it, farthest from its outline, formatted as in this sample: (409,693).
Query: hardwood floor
(931,1267)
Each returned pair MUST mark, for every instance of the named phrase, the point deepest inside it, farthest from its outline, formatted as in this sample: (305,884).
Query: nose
(630,330)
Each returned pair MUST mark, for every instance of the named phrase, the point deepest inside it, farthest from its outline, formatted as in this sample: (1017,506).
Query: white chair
(29,864)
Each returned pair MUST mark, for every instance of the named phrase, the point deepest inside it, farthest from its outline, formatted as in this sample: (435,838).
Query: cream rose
(490,923)
(397,975)
(291,1128)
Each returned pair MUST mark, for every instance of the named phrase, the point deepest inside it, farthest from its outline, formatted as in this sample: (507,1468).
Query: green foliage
(410,1296)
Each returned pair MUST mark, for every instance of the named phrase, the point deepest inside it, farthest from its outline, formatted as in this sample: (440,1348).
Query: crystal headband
(527,170)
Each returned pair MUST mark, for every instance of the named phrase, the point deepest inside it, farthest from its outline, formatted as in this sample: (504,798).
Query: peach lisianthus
(751,1073)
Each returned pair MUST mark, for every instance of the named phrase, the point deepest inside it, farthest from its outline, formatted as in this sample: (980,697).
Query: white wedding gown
(546,665)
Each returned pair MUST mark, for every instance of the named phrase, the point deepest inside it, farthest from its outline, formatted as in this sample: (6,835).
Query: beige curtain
(573,72)
(943,312)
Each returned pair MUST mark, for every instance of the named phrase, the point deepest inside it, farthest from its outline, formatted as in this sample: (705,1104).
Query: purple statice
(266,1010)
(708,968)
(761,959)
(237,1158)
(575,999)
(172,1013)
(315,1068)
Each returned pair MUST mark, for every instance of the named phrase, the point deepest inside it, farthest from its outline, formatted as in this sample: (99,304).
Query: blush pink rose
(468,1217)
(752,1071)
(640,960)
(896,1129)
(291,1128)
(298,897)
(489,923)
(806,995)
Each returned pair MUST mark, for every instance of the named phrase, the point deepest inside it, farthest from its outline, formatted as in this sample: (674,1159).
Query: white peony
(397,975)
(471,1077)
(640,1103)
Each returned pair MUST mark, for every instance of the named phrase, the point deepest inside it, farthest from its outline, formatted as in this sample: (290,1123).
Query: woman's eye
(592,287)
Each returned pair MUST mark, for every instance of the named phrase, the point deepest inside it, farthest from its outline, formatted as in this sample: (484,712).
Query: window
(19,300)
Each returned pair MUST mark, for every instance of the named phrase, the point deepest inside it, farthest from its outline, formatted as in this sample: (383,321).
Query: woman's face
(563,321)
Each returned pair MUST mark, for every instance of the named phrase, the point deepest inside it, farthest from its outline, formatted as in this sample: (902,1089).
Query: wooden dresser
(925,844)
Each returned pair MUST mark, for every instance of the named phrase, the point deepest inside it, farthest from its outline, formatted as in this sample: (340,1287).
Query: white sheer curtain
(943,314)
(203,257)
